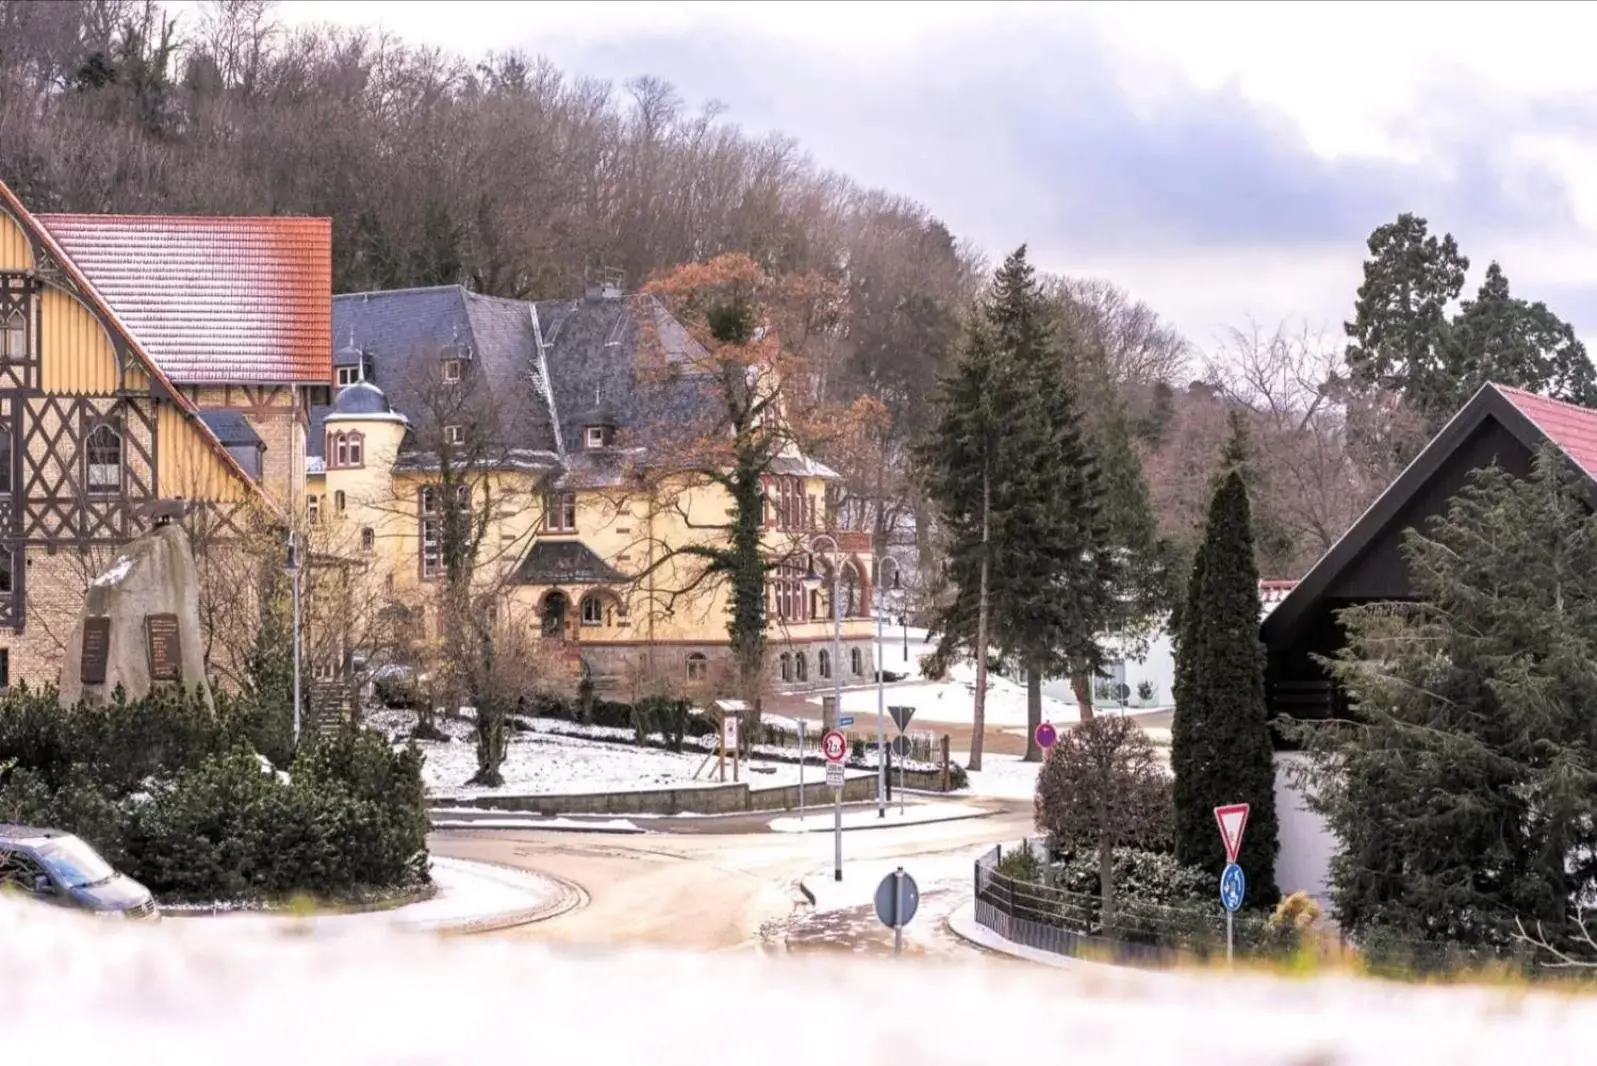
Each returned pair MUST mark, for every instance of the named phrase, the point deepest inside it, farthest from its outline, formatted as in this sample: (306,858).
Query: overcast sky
(1218,160)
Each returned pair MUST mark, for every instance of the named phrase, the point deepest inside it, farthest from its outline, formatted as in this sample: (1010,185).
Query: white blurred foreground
(176,994)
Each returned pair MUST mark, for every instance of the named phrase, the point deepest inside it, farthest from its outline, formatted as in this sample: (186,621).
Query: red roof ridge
(116,217)
(1517,391)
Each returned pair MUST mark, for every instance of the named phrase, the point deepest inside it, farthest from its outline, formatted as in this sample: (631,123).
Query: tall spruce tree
(961,462)
(1221,751)
(1466,797)
(1047,575)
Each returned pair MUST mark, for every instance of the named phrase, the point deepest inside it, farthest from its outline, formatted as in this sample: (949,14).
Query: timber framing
(52,266)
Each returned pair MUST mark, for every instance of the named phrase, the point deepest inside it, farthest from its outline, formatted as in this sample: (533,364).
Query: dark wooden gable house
(1499,425)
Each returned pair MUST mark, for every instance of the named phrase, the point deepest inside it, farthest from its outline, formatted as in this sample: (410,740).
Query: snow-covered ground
(545,763)
(953,701)
(1001,776)
(176,994)
(466,892)
(911,814)
(861,878)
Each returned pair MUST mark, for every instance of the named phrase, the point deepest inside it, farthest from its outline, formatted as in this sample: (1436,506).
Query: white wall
(1156,666)
(1307,843)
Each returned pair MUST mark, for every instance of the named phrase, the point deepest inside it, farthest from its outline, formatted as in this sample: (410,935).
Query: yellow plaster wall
(78,358)
(187,465)
(15,252)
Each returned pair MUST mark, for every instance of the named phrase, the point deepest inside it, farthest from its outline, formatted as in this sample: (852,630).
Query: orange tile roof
(237,300)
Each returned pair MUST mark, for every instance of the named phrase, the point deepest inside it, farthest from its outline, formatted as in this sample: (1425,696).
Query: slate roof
(238,300)
(231,428)
(565,562)
(405,333)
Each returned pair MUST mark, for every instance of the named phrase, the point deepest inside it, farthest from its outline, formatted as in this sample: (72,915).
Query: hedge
(177,797)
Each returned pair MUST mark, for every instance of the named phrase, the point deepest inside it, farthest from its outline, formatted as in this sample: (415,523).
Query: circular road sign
(900,746)
(1232,886)
(1047,735)
(896,903)
(834,746)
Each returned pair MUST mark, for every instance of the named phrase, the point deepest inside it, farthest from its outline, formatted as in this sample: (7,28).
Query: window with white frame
(560,512)
(455,435)
(596,436)
(431,533)
(698,666)
(313,509)
(103,456)
(593,610)
(348,375)
(451,371)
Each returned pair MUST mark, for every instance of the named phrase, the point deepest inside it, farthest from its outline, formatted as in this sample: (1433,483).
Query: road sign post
(897,900)
(901,716)
(1233,822)
(834,746)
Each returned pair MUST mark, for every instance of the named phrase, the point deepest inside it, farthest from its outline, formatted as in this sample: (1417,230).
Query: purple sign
(1047,735)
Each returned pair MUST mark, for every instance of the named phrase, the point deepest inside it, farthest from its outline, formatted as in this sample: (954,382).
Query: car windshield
(74,863)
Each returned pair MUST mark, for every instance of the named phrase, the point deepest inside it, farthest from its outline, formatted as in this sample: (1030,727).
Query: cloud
(1032,134)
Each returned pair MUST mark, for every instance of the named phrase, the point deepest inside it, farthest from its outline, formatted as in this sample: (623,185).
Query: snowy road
(732,892)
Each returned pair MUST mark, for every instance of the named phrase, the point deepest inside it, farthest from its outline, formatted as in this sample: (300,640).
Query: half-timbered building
(144,358)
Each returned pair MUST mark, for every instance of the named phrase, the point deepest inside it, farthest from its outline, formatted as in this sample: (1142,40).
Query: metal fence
(1048,918)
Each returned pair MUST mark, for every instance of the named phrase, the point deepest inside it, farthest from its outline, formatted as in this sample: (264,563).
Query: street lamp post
(881,691)
(291,567)
(837,688)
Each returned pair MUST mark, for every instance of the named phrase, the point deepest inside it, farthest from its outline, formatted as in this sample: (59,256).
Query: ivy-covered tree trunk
(746,629)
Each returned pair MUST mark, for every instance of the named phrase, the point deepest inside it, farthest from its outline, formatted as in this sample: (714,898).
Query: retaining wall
(706,799)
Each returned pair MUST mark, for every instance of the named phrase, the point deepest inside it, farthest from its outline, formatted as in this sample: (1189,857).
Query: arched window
(698,666)
(346,450)
(368,539)
(801,667)
(14,338)
(593,610)
(103,456)
(851,600)
(787,667)
(823,663)
(338,501)
(855,661)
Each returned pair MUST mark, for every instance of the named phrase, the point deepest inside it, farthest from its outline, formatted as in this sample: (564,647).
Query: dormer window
(451,371)
(597,436)
(348,375)
(455,435)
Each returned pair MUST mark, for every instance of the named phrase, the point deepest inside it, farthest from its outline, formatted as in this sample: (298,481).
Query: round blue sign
(1232,886)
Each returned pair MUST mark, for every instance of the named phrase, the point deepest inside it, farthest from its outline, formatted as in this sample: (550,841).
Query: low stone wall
(708,799)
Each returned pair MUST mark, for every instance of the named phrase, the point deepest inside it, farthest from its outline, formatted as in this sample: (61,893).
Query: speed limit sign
(834,746)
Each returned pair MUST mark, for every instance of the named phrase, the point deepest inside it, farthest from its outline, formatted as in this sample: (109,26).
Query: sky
(1223,162)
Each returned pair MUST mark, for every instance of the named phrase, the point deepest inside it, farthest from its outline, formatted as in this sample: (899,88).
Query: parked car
(58,868)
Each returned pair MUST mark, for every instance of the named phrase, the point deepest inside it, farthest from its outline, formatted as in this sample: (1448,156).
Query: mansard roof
(235,300)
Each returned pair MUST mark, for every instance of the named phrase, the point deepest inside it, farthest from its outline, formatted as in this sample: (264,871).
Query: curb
(458,825)
(572,897)
(884,825)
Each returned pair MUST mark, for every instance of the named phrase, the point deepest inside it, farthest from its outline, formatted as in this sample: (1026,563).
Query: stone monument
(141,623)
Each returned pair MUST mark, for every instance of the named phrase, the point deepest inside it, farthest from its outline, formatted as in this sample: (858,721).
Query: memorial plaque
(160,637)
(96,650)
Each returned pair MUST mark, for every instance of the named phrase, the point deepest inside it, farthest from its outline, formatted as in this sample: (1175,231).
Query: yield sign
(1233,821)
(901,716)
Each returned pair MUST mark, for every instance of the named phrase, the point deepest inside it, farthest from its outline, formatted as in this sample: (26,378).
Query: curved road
(699,883)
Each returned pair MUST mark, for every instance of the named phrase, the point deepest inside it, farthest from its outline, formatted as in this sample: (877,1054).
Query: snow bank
(175,995)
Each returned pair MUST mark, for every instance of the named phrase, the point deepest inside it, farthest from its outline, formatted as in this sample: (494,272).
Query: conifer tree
(1466,798)
(1221,751)
(1034,579)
